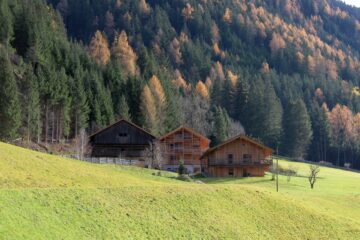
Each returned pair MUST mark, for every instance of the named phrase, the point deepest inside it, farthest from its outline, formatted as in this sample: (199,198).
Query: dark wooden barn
(122,139)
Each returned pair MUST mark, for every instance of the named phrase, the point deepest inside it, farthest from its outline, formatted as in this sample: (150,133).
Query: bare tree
(154,155)
(314,171)
(81,144)
(291,171)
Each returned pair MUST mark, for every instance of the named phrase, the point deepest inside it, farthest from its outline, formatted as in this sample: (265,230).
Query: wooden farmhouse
(123,140)
(183,144)
(238,157)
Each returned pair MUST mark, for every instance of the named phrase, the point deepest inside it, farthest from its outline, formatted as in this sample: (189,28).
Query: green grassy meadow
(47,197)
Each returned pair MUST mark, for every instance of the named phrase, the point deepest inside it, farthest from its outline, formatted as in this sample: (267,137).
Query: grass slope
(47,197)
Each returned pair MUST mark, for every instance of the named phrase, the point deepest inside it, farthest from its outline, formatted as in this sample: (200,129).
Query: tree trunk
(46,122)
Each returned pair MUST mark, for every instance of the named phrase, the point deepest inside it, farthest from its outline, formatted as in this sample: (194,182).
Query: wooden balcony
(239,163)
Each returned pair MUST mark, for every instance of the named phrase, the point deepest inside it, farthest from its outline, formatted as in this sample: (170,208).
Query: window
(187,135)
(171,146)
(230,158)
(123,135)
(196,146)
(231,172)
(172,157)
(247,157)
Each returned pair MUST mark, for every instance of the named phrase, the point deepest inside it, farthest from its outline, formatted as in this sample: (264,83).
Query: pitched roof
(121,120)
(248,139)
(187,129)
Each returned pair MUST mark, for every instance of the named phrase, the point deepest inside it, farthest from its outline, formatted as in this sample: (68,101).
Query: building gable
(122,133)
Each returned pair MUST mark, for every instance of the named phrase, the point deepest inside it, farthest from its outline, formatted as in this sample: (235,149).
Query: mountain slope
(43,197)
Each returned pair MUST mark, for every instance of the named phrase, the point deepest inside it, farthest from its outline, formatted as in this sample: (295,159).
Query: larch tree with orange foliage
(187,12)
(202,90)
(277,44)
(227,16)
(148,110)
(160,101)
(99,49)
(342,127)
(144,7)
(124,54)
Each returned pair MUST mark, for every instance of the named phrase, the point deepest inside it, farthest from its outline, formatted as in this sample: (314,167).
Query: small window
(123,135)
(247,157)
(230,158)
(172,157)
(231,172)
(187,135)
(171,146)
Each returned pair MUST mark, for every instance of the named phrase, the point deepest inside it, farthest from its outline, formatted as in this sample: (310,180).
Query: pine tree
(221,125)
(123,109)
(10,112)
(272,117)
(31,110)
(6,28)
(241,99)
(80,106)
(297,130)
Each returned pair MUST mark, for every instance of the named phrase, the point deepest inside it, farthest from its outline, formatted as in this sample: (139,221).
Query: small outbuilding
(240,156)
(123,140)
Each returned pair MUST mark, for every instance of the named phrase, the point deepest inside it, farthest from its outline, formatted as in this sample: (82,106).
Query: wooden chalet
(183,144)
(240,156)
(123,140)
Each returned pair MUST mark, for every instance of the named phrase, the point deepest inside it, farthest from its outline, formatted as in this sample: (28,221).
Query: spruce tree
(80,106)
(31,107)
(221,125)
(123,109)
(297,130)
(6,28)
(10,112)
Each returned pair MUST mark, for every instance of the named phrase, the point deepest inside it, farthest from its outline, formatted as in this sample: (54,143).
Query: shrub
(185,178)
(198,175)
(181,169)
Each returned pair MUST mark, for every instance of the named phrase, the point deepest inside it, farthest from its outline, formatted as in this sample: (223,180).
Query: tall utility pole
(277,174)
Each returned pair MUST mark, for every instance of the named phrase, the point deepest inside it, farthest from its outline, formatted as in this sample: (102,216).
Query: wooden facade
(237,157)
(123,140)
(183,144)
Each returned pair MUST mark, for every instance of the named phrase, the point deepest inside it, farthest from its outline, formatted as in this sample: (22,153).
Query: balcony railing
(240,162)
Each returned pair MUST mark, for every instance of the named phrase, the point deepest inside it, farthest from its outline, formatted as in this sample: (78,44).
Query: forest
(285,72)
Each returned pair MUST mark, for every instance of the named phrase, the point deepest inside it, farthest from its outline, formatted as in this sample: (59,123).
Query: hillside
(47,197)
(283,71)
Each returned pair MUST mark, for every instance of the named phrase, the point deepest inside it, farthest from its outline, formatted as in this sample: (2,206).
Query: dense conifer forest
(284,72)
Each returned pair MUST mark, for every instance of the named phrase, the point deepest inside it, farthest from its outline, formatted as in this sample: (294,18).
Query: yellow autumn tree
(265,68)
(277,43)
(144,7)
(99,49)
(148,110)
(232,77)
(187,12)
(160,101)
(202,90)
(158,91)
(175,52)
(227,16)
(331,70)
(124,54)
(311,65)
